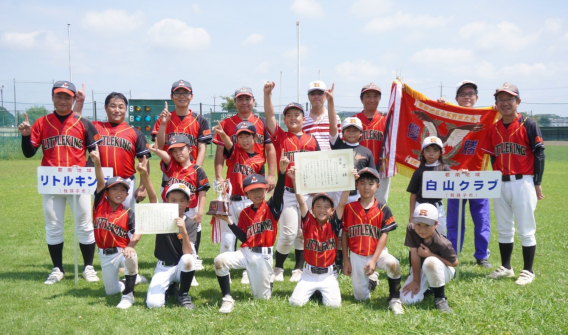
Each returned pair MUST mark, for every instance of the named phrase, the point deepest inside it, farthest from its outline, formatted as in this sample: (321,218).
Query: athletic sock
(88,252)
(394,288)
(185,279)
(56,253)
(299,259)
(197,241)
(225,284)
(506,250)
(280,258)
(129,282)
(439,292)
(339,258)
(528,257)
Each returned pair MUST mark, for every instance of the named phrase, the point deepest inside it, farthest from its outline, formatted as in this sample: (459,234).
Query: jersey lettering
(243,169)
(62,141)
(117,142)
(510,148)
(259,227)
(102,223)
(315,245)
(364,230)
(371,134)
(174,180)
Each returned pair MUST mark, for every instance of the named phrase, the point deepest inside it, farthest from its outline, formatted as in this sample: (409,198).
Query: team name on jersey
(102,223)
(62,141)
(371,134)
(243,169)
(259,227)
(510,148)
(315,245)
(174,180)
(117,142)
(258,139)
(192,139)
(364,230)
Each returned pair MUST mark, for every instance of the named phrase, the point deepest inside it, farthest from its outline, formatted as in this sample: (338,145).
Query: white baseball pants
(110,265)
(257,265)
(360,280)
(290,228)
(163,276)
(54,213)
(434,274)
(309,282)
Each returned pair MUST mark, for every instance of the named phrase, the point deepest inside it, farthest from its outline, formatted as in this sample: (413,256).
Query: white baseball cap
(464,83)
(433,140)
(425,213)
(179,187)
(352,122)
(317,85)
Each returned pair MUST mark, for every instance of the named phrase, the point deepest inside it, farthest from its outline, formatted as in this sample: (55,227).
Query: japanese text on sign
(461,185)
(68,180)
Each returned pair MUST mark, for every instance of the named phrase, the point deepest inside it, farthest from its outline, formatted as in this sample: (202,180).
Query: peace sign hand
(329,93)
(218,129)
(165,115)
(25,128)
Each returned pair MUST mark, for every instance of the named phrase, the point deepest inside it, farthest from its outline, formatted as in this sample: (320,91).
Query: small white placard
(461,185)
(156,218)
(68,180)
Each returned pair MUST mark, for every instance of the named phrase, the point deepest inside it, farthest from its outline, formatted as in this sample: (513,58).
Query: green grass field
(481,306)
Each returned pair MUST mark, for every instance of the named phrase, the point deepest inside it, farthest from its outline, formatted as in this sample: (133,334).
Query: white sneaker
(396,306)
(90,274)
(502,272)
(55,276)
(194,282)
(198,264)
(525,277)
(296,275)
(278,274)
(140,279)
(228,304)
(245,280)
(126,301)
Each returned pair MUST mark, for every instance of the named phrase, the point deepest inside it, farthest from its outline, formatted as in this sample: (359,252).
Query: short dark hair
(369,177)
(115,95)
(179,191)
(361,96)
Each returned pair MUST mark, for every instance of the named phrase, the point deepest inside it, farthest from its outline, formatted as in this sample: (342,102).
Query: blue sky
(143,46)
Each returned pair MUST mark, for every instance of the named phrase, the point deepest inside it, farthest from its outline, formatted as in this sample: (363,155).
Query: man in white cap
(317,122)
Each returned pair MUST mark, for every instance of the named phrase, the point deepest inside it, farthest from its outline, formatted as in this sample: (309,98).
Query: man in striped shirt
(317,123)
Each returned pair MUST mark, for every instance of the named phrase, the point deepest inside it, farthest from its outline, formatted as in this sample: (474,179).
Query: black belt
(289,189)
(514,177)
(258,250)
(353,192)
(110,251)
(164,263)
(236,198)
(318,271)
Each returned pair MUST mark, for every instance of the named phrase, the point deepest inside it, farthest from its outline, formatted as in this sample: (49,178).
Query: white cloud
(365,8)
(523,69)
(442,56)
(309,8)
(176,34)
(31,41)
(292,53)
(196,9)
(504,35)
(262,67)
(113,21)
(553,24)
(405,20)
(358,70)
(253,39)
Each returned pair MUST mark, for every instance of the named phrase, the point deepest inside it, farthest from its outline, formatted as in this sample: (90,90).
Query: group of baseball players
(331,233)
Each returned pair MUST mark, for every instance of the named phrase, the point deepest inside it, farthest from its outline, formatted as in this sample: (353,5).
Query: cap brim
(184,87)
(316,89)
(465,85)
(118,182)
(361,173)
(371,89)
(64,90)
(352,125)
(507,91)
(246,130)
(180,190)
(288,108)
(316,197)
(421,219)
(255,186)
(176,145)
(243,93)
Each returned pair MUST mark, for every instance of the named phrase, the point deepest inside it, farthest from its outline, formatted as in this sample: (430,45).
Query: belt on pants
(318,271)
(164,263)
(237,198)
(109,251)
(289,189)
(439,203)
(261,250)
(512,177)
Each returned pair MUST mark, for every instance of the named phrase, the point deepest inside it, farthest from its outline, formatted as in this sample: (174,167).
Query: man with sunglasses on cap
(317,122)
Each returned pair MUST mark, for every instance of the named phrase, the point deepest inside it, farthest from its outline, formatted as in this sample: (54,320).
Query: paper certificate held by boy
(156,218)
(324,171)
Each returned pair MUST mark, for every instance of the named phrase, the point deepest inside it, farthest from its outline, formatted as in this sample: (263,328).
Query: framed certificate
(324,171)
(156,218)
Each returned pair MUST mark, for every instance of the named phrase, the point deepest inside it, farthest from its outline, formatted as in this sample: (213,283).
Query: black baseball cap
(246,126)
(178,141)
(509,88)
(116,180)
(65,87)
(293,105)
(182,84)
(254,181)
(243,91)
(322,195)
(368,170)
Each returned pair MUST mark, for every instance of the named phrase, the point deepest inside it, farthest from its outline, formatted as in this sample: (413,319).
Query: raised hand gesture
(80,96)
(284,162)
(268,87)
(142,166)
(218,129)
(25,128)
(95,155)
(329,93)
(165,115)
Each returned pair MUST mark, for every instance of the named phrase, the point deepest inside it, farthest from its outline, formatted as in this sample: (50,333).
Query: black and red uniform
(373,133)
(192,176)
(320,242)
(261,137)
(241,164)
(111,228)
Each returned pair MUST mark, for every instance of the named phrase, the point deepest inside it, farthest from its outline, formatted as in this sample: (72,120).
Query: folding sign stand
(460,240)
(75,223)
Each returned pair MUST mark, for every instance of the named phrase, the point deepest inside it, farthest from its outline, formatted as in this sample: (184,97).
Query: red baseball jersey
(260,225)
(241,164)
(320,242)
(192,176)
(364,227)
(291,144)
(195,127)
(111,227)
(64,140)
(119,146)
(513,145)
(373,133)
(229,126)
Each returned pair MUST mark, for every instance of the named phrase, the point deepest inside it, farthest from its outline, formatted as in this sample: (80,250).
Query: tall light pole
(69,41)
(298,25)
(2,95)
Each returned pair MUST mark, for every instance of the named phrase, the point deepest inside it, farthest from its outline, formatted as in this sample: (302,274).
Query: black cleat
(185,301)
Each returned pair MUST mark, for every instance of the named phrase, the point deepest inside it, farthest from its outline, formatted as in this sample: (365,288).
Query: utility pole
(69,41)
(440,89)
(2,92)
(214,103)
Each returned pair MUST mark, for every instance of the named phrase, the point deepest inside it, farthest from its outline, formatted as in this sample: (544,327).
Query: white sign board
(156,218)
(324,171)
(461,185)
(68,180)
